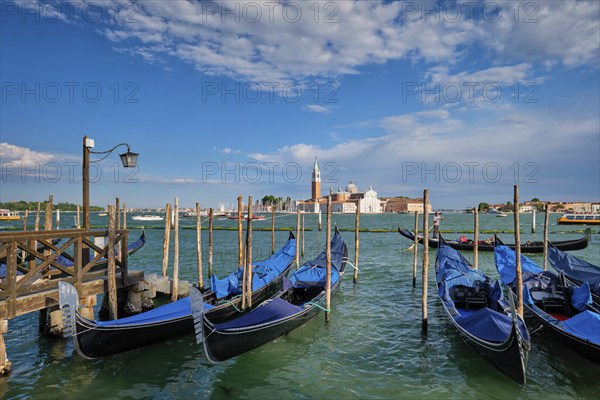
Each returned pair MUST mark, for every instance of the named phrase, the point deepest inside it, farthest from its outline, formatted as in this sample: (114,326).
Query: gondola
(576,270)
(95,339)
(484,320)
(527,247)
(300,300)
(553,306)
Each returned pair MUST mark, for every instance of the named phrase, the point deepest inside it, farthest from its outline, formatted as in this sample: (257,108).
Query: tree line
(23,205)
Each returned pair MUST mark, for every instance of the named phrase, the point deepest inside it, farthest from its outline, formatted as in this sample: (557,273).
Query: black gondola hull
(537,323)
(529,247)
(509,356)
(221,346)
(93,341)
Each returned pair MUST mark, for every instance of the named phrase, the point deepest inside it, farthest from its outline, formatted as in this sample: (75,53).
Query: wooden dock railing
(36,261)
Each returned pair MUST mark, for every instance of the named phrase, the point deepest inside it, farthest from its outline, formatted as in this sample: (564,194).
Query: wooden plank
(48,298)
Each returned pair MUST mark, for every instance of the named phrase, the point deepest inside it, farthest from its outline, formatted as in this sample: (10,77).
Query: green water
(371,349)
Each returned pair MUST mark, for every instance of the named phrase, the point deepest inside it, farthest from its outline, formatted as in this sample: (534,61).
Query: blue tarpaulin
(312,273)
(486,324)
(268,311)
(581,296)
(177,309)
(575,268)
(585,325)
(263,272)
(505,260)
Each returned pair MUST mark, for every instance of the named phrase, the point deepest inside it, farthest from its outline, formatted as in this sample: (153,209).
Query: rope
(310,303)
(353,266)
(234,306)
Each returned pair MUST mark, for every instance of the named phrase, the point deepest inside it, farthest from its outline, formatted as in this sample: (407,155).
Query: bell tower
(316,181)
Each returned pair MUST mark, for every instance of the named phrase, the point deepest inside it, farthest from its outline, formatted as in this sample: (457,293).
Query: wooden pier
(35,263)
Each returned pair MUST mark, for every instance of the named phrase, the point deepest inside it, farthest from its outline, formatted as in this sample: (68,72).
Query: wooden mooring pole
(425,260)
(297,239)
(533,212)
(328,262)
(37,218)
(165,260)
(415,249)
(272,229)
(48,214)
(124,215)
(240,232)
(118,209)
(25,220)
(78,218)
(210,242)
(475,238)
(356,241)
(302,254)
(199,246)
(112,274)
(249,254)
(319,218)
(518,252)
(57,219)
(243,256)
(546,217)
(175,286)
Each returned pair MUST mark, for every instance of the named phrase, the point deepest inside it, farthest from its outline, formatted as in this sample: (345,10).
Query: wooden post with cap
(328,262)
(199,246)
(356,240)
(475,238)
(518,252)
(425,261)
(415,248)
(175,289)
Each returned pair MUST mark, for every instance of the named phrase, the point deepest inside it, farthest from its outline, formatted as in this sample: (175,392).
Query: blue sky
(238,97)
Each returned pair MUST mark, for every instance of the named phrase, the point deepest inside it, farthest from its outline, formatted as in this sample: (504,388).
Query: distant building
(316,182)
(405,205)
(526,208)
(343,201)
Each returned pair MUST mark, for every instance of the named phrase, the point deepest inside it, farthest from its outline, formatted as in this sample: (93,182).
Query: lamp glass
(129,159)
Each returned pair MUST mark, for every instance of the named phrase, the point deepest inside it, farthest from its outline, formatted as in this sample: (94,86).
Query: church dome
(351,188)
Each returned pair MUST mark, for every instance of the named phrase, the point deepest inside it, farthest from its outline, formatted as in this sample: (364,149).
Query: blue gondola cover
(575,268)
(505,260)
(312,273)
(585,325)
(263,272)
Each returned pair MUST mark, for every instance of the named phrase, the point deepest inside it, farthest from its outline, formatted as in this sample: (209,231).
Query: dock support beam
(5,364)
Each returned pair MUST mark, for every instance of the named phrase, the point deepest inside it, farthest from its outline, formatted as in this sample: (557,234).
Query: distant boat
(501,214)
(465,244)
(147,218)
(245,216)
(191,214)
(587,219)
(7,215)
(102,214)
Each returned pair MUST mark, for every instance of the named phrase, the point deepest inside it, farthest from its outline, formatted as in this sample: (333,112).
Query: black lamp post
(128,159)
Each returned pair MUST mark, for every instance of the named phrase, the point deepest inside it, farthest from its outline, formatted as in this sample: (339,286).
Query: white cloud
(10,153)
(437,142)
(317,109)
(297,41)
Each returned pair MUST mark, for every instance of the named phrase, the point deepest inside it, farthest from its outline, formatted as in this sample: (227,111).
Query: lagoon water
(371,349)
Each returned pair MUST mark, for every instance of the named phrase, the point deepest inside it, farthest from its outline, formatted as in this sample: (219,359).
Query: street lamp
(128,159)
